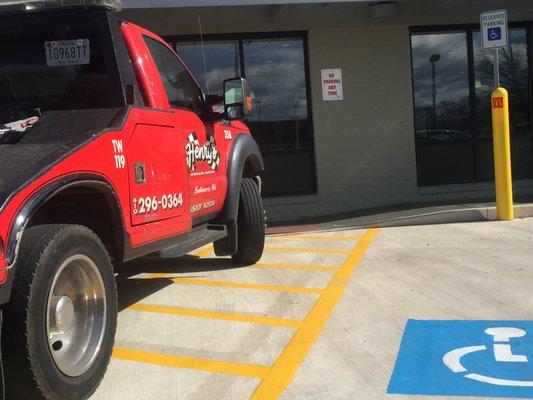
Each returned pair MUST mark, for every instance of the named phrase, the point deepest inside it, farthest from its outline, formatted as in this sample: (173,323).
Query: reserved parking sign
(494,29)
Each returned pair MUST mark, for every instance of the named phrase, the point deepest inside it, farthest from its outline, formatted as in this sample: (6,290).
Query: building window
(221,62)
(444,145)
(275,66)
(452,82)
(276,72)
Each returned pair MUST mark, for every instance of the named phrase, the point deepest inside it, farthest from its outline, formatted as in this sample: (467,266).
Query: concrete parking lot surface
(320,317)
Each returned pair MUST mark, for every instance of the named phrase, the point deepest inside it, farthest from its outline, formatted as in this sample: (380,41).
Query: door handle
(140,173)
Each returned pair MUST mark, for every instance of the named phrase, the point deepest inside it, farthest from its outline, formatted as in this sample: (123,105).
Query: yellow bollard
(502,154)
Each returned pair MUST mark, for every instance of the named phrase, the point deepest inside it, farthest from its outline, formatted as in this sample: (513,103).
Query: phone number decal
(145,205)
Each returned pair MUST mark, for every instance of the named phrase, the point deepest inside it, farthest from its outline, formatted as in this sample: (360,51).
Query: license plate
(68,52)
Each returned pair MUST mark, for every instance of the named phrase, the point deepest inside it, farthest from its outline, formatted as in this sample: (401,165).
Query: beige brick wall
(365,149)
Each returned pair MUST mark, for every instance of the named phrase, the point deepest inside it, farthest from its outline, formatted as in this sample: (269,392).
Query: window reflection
(440,73)
(451,149)
(221,63)
(444,145)
(514,76)
(275,70)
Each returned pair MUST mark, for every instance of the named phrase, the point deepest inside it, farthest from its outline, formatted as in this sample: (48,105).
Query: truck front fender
(34,203)
(244,159)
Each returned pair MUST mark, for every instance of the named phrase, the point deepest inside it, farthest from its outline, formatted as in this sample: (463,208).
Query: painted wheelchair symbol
(502,353)
(495,34)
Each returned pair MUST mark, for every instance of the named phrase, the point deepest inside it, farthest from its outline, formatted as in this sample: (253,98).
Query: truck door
(158,175)
(203,153)
(158,182)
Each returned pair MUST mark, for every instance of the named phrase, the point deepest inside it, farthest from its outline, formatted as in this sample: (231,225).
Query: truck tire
(250,224)
(60,323)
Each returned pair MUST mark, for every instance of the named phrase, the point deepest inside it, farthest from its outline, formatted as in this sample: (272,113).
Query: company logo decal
(497,102)
(207,153)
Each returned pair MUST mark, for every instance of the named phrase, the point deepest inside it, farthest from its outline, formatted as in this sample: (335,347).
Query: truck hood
(57,135)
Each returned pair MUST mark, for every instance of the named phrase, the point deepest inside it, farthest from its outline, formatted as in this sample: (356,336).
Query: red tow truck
(109,151)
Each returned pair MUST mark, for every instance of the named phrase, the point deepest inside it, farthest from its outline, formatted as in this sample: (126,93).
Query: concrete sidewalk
(407,215)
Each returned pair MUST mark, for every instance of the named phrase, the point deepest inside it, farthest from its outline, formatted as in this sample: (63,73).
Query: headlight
(32,5)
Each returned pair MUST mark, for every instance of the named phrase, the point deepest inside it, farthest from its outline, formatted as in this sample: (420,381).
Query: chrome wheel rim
(76,315)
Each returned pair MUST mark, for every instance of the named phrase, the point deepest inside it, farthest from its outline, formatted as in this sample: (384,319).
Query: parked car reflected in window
(441,135)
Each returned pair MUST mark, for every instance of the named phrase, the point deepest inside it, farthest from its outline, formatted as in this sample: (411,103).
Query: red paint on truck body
(155,139)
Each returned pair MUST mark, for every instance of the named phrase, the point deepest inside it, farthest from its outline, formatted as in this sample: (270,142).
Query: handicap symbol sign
(465,358)
(495,34)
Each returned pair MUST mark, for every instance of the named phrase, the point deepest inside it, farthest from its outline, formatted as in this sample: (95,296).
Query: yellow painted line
(316,237)
(271,249)
(190,312)
(283,370)
(295,267)
(239,285)
(200,364)
(243,285)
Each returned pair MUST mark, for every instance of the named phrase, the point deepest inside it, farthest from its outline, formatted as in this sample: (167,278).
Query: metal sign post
(496,68)
(494,34)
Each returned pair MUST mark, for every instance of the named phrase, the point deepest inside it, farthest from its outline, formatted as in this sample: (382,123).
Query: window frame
(469,29)
(240,37)
(202,105)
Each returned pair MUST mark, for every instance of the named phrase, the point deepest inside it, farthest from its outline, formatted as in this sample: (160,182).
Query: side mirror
(238,102)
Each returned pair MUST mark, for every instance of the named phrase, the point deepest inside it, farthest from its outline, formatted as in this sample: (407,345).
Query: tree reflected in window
(514,76)
(453,108)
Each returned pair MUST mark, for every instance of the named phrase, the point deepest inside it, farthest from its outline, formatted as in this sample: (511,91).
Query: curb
(450,216)
(478,214)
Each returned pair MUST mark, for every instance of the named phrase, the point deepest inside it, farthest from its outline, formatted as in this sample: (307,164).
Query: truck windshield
(54,67)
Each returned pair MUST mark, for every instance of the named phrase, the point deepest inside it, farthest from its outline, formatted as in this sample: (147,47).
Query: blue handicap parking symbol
(495,34)
(465,358)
